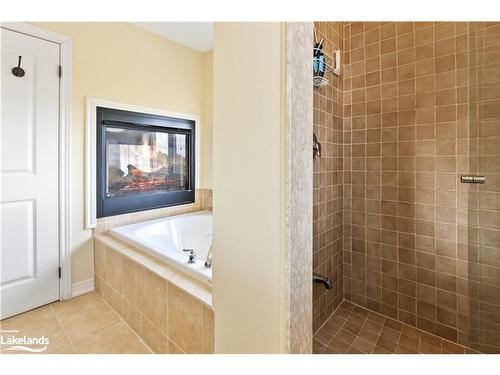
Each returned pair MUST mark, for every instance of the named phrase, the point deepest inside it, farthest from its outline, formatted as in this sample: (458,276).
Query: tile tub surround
(206,199)
(355,330)
(169,310)
(203,201)
(83,325)
(327,182)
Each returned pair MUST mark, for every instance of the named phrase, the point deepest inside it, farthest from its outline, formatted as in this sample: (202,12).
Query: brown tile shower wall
(484,200)
(327,192)
(405,146)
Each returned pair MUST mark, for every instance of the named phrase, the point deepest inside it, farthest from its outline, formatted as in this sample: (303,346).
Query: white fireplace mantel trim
(90,147)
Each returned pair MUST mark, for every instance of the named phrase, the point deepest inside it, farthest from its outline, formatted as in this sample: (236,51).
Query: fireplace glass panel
(145,162)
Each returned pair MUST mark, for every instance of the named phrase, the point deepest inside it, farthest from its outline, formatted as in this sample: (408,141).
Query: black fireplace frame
(109,117)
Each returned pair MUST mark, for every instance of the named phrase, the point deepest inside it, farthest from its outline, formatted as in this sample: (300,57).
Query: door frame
(65,46)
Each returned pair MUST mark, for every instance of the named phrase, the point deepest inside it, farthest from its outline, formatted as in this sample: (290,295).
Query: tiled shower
(328,184)
(415,107)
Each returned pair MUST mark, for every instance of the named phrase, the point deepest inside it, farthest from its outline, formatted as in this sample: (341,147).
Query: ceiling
(195,35)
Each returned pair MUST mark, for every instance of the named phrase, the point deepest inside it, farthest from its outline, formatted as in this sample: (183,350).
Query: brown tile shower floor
(354,329)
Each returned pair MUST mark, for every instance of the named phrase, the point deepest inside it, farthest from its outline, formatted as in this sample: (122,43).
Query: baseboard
(82,287)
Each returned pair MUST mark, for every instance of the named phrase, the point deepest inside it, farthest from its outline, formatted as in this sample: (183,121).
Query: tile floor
(85,324)
(353,329)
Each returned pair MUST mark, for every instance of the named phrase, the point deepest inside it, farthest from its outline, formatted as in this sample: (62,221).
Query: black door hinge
(60,70)
(60,272)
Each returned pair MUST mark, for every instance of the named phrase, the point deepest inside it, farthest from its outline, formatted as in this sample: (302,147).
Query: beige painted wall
(206,119)
(124,63)
(248,182)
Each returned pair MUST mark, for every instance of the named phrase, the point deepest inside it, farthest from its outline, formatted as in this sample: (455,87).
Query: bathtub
(166,238)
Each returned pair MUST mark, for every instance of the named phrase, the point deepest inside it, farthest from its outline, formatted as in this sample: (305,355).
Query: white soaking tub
(166,238)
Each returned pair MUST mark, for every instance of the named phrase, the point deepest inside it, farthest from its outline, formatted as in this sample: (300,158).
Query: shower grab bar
(472,179)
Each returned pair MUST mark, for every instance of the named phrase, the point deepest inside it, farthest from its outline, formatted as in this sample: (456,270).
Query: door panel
(29,174)
(17,125)
(18,241)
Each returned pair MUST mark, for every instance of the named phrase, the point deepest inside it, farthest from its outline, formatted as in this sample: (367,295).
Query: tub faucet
(208,261)
(322,280)
(192,255)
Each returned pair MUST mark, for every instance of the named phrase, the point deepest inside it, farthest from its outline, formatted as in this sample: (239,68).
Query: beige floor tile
(37,323)
(68,349)
(154,337)
(57,345)
(32,319)
(117,338)
(173,349)
(85,322)
(84,315)
(62,349)
(66,309)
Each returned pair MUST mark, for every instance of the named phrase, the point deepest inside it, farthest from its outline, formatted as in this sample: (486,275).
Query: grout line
(366,159)
(329,317)
(341,327)
(421,330)
(357,335)
(62,327)
(121,319)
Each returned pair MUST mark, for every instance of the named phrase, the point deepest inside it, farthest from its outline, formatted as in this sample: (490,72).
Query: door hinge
(60,70)
(60,272)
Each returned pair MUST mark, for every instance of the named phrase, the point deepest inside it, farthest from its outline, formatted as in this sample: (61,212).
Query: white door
(29,174)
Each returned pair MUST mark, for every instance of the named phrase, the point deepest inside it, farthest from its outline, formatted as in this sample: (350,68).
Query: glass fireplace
(143,161)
